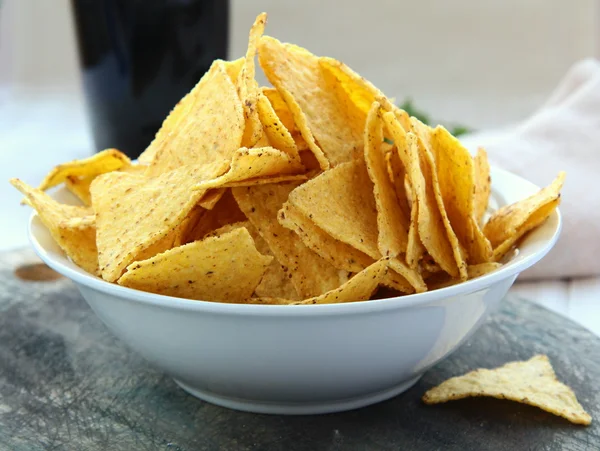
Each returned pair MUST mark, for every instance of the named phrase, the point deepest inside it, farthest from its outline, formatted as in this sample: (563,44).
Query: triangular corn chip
(508,224)
(106,161)
(247,164)
(530,382)
(430,175)
(225,268)
(414,246)
(456,173)
(247,87)
(134,212)
(340,254)
(360,287)
(340,202)
(358,90)
(411,275)
(316,109)
(392,224)
(276,133)
(311,274)
(72,227)
(206,126)
(225,212)
(536,219)
(281,109)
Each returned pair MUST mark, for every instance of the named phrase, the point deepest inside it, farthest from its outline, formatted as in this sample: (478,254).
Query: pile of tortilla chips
(315,190)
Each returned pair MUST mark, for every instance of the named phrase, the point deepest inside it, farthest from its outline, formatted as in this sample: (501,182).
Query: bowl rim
(359,307)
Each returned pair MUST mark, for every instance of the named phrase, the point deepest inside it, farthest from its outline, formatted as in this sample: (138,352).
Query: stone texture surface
(67,384)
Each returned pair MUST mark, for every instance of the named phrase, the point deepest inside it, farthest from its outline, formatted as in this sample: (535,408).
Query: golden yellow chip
(340,202)
(106,161)
(225,212)
(483,185)
(535,220)
(207,126)
(72,227)
(359,288)
(392,224)
(316,109)
(530,382)
(247,87)
(80,187)
(340,254)
(311,274)
(275,282)
(438,247)
(427,218)
(225,268)
(281,109)
(210,199)
(509,223)
(269,180)
(414,246)
(358,90)
(412,276)
(397,175)
(482,269)
(455,171)
(277,134)
(247,164)
(135,212)
(183,107)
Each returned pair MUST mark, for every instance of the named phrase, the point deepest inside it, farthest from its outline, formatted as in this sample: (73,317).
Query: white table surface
(40,129)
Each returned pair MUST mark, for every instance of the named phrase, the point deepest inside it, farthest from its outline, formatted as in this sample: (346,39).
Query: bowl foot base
(308,408)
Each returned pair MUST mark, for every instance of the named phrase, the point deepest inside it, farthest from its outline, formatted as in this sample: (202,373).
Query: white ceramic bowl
(302,359)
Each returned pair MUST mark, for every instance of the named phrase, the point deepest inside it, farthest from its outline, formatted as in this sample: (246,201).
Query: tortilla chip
(414,246)
(134,212)
(509,223)
(392,224)
(456,173)
(278,135)
(411,275)
(72,227)
(106,161)
(311,274)
(205,127)
(269,180)
(483,185)
(535,220)
(482,269)
(361,92)
(301,82)
(359,288)
(80,187)
(252,163)
(210,199)
(338,253)
(397,175)
(225,212)
(530,382)
(247,87)
(225,268)
(275,282)
(458,268)
(281,109)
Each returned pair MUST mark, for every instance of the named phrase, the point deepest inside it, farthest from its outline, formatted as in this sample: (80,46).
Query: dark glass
(139,58)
